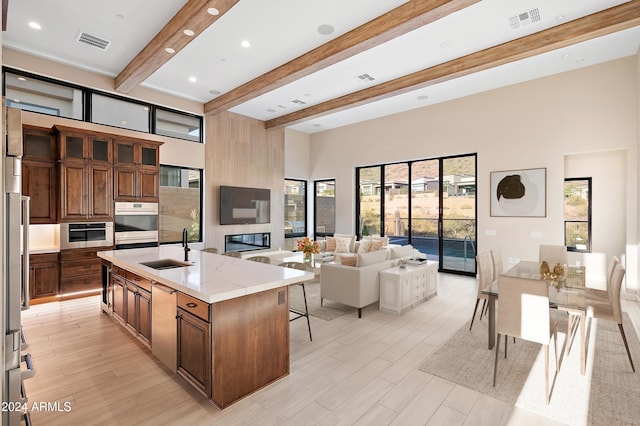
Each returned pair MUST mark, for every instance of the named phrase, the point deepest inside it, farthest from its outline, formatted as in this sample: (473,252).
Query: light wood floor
(355,372)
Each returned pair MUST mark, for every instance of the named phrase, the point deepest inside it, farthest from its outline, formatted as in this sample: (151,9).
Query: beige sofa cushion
(347,260)
(366,259)
(402,251)
(330,245)
(342,245)
(352,241)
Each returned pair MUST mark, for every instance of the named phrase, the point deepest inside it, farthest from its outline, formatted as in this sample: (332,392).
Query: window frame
(589,220)
(87,94)
(317,234)
(201,203)
(306,206)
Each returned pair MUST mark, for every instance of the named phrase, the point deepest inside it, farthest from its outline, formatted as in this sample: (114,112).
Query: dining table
(566,293)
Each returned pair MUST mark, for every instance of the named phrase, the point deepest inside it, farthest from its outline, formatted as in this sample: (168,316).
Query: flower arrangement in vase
(309,247)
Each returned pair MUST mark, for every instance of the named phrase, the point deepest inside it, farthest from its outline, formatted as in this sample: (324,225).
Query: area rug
(328,311)
(608,393)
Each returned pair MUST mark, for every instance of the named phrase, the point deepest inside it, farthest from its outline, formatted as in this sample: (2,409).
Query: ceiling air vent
(94,41)
(365,78)
(525,18)
(298,102)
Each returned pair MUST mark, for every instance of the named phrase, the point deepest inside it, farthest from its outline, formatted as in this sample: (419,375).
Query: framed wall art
(519,193)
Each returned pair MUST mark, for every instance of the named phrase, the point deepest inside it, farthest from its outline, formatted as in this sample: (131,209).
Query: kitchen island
(220,322)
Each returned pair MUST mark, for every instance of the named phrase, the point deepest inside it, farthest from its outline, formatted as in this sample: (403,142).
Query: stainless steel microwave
(86,234)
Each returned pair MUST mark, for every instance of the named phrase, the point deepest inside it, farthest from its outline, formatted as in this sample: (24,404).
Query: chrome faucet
(185,244)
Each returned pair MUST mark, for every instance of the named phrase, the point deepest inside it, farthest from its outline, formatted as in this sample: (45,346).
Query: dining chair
(611,311)
(553,254)
(485,278)
(299,314)
(261,259)
(496,257)
(593,296)
(524,313)
(210,250)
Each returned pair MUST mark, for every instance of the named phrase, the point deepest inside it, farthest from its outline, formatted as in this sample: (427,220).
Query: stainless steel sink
(165,264)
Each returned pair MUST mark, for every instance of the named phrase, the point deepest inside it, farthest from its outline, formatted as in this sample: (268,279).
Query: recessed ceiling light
(566,55)
(271,110)
(22,79)
(215,92)
(188,32)
(245,44)
(580,61)
(120,16)
(317,125)
(325,29)
(193,79)
(35,25)
(561,17)
(223,59)
(213,11)
(422,97)
(124,122)
(170,50)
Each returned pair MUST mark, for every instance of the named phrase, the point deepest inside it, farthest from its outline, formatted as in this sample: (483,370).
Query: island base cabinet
(250,344)
(194,351)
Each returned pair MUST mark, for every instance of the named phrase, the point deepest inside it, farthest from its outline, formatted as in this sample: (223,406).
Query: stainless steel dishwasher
(163,324)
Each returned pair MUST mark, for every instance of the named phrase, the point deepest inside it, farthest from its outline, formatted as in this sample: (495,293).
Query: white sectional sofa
(359,285)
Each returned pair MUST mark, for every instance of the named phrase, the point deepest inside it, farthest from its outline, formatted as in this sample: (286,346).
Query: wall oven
(86,234)
(136,225)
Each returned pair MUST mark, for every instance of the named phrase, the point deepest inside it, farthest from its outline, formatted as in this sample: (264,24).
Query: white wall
(528,125)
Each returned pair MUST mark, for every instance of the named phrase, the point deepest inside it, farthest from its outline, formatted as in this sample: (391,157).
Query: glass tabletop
(568,293)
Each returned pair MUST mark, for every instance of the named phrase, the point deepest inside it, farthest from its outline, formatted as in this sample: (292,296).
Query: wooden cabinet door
(118,296)
(130,307)
(73,183)
(125,184)
(100,192)
(149,185)
(39,181)
(44,279)
(194,351)
(144,316)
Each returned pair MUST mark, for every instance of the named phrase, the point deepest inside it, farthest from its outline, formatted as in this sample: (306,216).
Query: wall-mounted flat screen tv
(240,205)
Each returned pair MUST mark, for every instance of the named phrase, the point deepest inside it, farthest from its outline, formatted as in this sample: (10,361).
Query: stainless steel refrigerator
(15,274)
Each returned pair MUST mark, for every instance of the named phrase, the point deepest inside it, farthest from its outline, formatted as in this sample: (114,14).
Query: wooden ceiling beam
(193,16)
(401,20)
(618,18)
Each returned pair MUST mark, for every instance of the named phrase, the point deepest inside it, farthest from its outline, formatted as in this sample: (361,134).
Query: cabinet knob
(191,305)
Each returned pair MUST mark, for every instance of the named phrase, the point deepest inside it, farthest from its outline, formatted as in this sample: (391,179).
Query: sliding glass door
(458,214)
(430,204)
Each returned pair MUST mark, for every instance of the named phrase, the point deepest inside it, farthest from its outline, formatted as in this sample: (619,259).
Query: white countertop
(212,278)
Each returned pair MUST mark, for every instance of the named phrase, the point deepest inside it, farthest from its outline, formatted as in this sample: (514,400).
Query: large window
(181,207)
(43,95)
(577,214)
(325,207)
(295,208)
(430,204)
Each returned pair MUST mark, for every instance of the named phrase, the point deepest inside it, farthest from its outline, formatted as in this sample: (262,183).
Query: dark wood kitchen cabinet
(80,272)
(194,342)
(136,170)
(132,303)
(44,278)
(40,174)
(86,175)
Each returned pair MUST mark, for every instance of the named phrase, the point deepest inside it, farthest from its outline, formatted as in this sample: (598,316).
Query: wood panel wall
(241,152)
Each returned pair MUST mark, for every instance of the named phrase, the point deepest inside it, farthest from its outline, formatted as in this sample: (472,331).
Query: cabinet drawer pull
(191,305)
(164,288)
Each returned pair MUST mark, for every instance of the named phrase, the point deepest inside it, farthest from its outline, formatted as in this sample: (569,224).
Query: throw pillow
(371,258)
(364,246)
(348,260)
(376,245)
(352,240)
(402,251)
(342,245)
(331,244)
